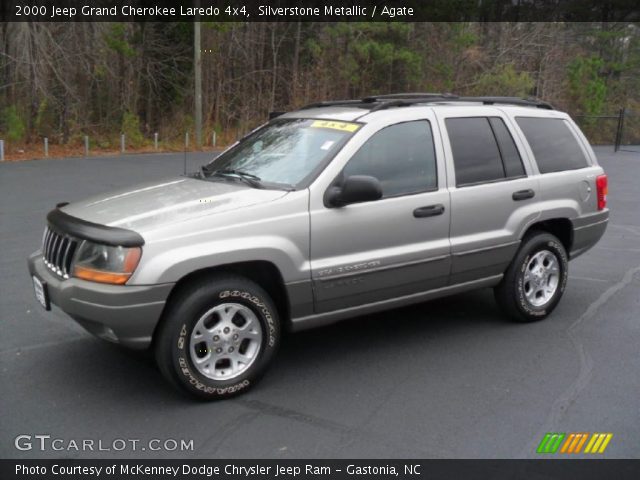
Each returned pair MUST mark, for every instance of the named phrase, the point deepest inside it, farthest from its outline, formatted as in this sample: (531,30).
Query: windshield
(283,153)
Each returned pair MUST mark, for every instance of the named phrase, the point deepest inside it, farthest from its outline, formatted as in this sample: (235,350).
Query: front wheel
(217,337)
(535,280)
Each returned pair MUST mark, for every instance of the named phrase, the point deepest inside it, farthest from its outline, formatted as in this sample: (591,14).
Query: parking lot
(445,379)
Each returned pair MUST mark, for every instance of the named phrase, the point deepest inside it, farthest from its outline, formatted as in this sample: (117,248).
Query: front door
(398,245)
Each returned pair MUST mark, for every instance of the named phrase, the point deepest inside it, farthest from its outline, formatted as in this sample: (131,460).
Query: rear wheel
(217,337)
(535,280)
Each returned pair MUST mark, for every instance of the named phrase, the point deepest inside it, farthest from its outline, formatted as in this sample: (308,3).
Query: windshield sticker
(327,145)
(342,126)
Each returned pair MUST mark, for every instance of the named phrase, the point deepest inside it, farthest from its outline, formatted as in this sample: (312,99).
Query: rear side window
(553,144)
(483,150)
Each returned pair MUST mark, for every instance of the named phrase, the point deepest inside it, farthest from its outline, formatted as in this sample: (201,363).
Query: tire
(531,288)
(217,337)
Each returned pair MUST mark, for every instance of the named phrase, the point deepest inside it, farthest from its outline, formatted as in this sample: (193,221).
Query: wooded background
(67,80)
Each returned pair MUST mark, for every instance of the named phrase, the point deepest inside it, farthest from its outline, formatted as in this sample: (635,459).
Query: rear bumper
(587,231)
(122,314)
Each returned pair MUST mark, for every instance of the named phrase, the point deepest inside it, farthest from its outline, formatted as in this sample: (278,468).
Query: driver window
(402,157)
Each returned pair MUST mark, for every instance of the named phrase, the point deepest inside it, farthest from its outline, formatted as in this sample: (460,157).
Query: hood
(172,200)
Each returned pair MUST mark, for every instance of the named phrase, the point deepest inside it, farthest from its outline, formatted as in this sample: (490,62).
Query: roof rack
(525,102)
(408,96)
(333,103)
(383,102)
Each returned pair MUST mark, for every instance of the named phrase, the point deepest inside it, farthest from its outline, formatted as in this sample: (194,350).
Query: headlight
(104,263)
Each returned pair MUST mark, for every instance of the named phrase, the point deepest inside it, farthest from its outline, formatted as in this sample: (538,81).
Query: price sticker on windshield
(342,126)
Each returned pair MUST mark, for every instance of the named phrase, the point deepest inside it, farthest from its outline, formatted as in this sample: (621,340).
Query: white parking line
(589,279)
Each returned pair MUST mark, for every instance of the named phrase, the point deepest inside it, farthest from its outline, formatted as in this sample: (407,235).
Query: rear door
(568,172)
(493,193)
(398,245)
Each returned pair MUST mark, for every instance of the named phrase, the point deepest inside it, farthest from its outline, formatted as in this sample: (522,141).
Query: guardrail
(123,144)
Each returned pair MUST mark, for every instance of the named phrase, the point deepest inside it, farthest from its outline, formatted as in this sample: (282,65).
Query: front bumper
(124,314)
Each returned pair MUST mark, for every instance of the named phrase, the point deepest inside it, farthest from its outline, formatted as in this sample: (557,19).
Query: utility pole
(197,61)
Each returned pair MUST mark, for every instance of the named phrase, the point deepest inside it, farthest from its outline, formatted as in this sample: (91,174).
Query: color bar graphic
(550,443)
(598,443)
(573,442)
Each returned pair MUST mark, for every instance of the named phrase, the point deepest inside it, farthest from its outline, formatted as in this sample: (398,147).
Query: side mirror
(354,189)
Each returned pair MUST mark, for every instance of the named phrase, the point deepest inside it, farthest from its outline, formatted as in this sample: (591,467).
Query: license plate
(40,290)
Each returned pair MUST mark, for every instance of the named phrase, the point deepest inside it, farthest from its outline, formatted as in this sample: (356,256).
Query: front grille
(57,251)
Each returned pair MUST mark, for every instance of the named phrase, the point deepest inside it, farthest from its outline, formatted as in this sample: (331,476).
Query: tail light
(602,188)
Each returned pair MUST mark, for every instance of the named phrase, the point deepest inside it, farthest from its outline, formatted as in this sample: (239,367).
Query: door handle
(523,194)
(430,211)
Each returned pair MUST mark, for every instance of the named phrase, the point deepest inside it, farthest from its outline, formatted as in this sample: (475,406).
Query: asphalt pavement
(445,379)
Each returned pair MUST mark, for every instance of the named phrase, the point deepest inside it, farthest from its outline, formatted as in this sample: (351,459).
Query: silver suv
(336,210)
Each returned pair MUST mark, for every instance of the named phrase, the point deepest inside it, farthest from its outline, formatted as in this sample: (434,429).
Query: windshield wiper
(249,178)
